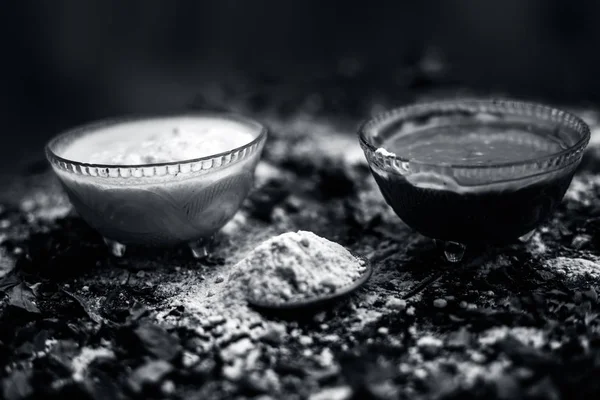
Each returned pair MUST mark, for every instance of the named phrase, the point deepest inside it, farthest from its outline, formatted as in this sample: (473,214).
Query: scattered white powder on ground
(574,269)
(431,341)
(581,190)
(86,357)
(535,245)
(526,335)
(333,393)
(296,266)
(474,372)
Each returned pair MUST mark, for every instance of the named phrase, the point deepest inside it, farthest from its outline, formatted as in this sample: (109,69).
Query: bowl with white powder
(158,181)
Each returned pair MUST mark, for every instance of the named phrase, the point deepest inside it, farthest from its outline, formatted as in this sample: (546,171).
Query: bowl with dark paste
(472,171)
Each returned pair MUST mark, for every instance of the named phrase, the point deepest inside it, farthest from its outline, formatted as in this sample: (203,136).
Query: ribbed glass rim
(493,105)
(155,169)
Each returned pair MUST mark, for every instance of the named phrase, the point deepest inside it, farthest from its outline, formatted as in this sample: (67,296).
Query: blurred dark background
(69,62)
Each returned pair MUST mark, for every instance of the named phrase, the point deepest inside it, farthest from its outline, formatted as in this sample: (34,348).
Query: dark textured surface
(521,321)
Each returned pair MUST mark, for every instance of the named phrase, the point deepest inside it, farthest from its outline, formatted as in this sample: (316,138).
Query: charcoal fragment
(17,385)
(118,305)
(205,369)
(337,179)
(9,281)
(84,306)
(157,341)
(544,389)
(7,263)
(267,198)
(137,312)
(460,339)
(149,374)
(22,297)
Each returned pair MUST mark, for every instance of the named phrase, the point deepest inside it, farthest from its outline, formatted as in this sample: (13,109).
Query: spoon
(317,301)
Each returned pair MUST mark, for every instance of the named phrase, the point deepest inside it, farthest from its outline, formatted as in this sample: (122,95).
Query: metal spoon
(318,301)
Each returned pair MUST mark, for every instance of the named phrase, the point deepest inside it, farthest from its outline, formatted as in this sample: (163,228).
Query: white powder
(574,269)
(86,357)
(158,140)
(429,341)
(384,152)
(296,266)
(174,145)
(580,191)
(526,335)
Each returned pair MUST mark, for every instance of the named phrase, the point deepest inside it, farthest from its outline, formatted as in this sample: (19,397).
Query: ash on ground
(519,322)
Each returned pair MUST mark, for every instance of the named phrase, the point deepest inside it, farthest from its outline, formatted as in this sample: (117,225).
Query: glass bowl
(163,203)
(462,203)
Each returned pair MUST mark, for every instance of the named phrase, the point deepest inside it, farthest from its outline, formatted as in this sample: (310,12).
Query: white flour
(296,266)
(159,140)
(175,145)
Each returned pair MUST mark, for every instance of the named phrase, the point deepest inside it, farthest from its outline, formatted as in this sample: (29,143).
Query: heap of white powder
(296,266)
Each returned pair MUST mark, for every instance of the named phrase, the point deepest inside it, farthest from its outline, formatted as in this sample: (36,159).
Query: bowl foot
(199,248)
(526,237)
(116,249)
(453,251)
